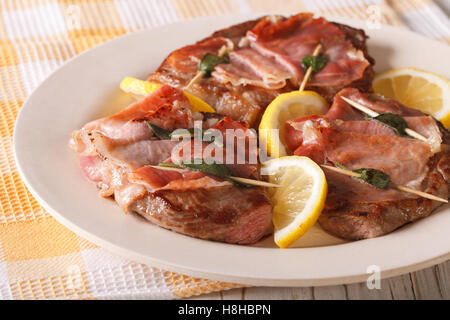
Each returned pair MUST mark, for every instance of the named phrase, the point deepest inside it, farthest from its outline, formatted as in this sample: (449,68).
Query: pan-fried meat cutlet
(128,154)
(356,210)
(118,153)
(266,61)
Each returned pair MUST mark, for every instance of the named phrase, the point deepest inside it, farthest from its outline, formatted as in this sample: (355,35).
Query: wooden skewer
(184,135)
(255,182)
(169,168)
(419,193)
(309,71)
(373,114)
(399,187)
(237,179)
(343,171)
(200,74)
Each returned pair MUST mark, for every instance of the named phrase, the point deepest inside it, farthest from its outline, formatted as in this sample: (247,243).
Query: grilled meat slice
(225,213)
(355,210)
(224,90)
(110,148)
(117,152)
(354,218)
(206,206)
(358,38)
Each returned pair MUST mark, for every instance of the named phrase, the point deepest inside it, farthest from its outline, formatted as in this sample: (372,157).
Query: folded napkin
(41,259)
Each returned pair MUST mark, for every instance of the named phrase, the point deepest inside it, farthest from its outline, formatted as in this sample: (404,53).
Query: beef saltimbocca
(123,153)
(117,152)
(345,137)
(266,60)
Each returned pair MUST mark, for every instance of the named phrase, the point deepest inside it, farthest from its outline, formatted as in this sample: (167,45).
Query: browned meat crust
(248,103)
(212,213)
(362,220)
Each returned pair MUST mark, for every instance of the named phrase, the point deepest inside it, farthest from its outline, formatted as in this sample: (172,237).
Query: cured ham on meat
(276,50)
(355,210)
(249,67)
(118,153)
(270,63)
(343,119)
(187,58)
(170,184)
(203,206)
(111,147)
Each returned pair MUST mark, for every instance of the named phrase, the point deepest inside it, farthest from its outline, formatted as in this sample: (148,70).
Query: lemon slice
(141,88)
(287,106)
(299,201)
(418,89)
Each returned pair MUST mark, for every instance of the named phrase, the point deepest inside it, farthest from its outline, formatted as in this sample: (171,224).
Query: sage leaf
(214,169)
(161,133)
(317,63)
(393,121)
(209,61)
(164,134)
(374,177)
(205,135)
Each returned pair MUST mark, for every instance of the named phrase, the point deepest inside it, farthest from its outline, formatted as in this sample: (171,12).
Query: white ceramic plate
(87,87)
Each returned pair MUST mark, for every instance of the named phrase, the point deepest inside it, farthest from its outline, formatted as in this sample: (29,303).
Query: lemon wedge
(141,88)
(418,89)
(287,106)
(299,200)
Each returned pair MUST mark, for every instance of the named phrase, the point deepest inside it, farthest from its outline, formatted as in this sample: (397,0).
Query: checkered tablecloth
(41,259)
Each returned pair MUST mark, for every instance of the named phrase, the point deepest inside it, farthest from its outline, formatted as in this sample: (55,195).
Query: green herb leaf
(208,135)
(209,61)
(340,165)
(205,135)
(180,133)
(374,177)
(161,133)
(393,121)
(317,63)
(214,169)
(164,134)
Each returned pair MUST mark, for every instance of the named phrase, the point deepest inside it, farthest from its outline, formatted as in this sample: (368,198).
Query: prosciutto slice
(205,206)
(359,143)
(119,153)
(112,147)
(126,135)
(249,67)
(415,119)
(242,162)
(354,209)
(260,69)
(167,108)
(157,179)
(276,49)
(187,58)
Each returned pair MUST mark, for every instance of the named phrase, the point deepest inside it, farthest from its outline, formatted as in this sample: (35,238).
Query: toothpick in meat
(200,74)
(310,69)
(253,182)
(374,114)
(399,187)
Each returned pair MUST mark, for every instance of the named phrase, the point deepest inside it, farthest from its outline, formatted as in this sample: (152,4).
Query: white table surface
(431,283)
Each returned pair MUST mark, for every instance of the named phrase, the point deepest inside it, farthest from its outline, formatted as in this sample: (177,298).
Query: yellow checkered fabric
(41,259)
